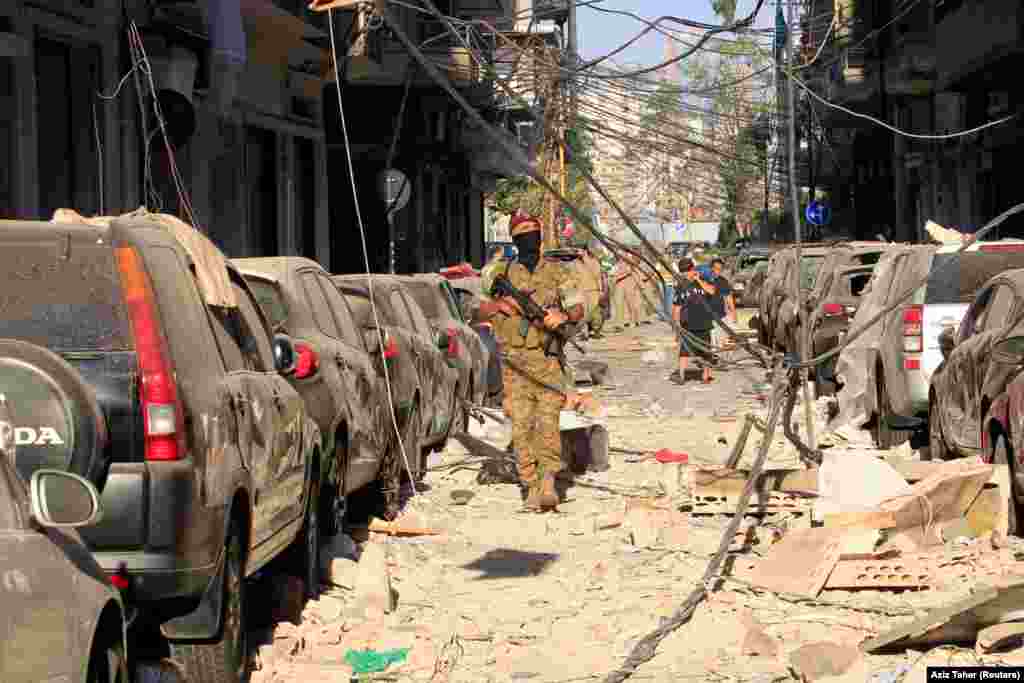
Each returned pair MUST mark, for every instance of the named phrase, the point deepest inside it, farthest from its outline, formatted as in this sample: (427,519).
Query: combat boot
(548,493)
(533,498)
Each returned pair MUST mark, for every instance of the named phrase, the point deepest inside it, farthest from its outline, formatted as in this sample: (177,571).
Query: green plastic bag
(371,661)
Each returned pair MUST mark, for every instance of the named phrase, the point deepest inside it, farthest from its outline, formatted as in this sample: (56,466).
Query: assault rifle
(532,311)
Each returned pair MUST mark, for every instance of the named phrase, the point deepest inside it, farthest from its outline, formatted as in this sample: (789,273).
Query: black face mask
(528,245)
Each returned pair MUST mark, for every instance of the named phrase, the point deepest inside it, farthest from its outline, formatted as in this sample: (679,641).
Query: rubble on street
(870,567)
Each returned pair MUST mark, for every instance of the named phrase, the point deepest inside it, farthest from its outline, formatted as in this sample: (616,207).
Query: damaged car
(425,385)
(467,293)
(435,297)
(817,278)
(829,320)
(334,373)
(53,591)
(979,359)
(776,303)
(214,460)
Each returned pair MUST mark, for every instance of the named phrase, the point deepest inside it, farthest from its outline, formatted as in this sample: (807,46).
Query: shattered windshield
(65,301)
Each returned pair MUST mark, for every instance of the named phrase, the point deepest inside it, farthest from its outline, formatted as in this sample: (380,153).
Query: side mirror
(946,342)
(1009,351)
(754,323)
(284,354)
(63,499)
(441,339)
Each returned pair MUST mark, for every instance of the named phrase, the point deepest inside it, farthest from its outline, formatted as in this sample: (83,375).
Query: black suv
(212,457)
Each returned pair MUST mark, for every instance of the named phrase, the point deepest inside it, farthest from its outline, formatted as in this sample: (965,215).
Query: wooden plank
(800,563)
(875,574)
(729,481)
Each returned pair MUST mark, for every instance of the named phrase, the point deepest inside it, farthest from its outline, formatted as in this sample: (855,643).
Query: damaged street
(912,566)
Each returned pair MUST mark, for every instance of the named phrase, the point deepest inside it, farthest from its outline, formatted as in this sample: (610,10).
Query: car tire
(107,661)
(937,448)
(1002,455)
(225,660)
(309,542)
(884,436)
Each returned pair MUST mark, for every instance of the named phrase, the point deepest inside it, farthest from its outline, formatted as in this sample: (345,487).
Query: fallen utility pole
(802,345)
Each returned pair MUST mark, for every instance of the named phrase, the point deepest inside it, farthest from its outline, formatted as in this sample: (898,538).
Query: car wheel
(937,448)
(107,661)
(885,437)
(310,540)
(225,660)
(1002,455)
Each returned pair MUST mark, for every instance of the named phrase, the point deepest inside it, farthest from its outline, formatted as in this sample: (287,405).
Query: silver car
(62,620)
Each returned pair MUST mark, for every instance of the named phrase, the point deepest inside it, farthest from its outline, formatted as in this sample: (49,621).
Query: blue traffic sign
(818,214)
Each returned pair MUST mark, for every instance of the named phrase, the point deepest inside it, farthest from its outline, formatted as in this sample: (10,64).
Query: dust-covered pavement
(501,596)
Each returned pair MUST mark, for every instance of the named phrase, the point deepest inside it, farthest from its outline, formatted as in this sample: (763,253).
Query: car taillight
(390,347)
(912,318)
(162,414)
(307,363)
(1001,247)
(453,343)
(831,310)
(911,363)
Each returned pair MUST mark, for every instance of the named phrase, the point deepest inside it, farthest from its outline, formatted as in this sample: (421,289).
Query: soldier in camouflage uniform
(533,408)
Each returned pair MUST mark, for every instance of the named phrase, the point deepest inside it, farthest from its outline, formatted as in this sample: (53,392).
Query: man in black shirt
(722,302)
(693,310)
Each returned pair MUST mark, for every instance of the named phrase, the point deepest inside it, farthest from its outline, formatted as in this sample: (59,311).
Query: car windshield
(65,301)
(809,266)
(269,298)
(956,278)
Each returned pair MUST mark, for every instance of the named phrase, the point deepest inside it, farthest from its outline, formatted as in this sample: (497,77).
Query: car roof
(273,268)
(952,247)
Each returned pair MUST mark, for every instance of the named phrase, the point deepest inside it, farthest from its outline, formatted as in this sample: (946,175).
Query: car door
(39,616)
(278,412)
(334,360)
(363,381)
(444,375)
(957,421)
(470,340)
(997,320)
(427,362)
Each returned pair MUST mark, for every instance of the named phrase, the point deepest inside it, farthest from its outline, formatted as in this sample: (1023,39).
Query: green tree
(725,9)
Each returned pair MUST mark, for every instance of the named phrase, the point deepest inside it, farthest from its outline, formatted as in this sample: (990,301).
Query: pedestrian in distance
(723,303)
(694,313)
(534,380)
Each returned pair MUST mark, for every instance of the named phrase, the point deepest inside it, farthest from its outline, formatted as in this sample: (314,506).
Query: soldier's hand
(552,319)
(508,306)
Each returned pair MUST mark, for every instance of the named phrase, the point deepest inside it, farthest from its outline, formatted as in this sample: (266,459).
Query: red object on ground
(666,456)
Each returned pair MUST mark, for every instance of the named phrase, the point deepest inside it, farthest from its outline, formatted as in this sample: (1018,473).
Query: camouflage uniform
(533,409)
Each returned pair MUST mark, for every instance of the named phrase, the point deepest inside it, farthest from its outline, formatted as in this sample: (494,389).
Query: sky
(600,32)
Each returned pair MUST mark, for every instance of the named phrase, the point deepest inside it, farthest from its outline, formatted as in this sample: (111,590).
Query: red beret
(520,221)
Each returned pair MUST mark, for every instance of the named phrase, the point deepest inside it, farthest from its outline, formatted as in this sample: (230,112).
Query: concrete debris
(822,661)
(757,643)
(855,484)
(373,590)
(800,563)
(406,525)
(654,357)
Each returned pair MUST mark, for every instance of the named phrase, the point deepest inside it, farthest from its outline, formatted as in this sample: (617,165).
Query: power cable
(366,252)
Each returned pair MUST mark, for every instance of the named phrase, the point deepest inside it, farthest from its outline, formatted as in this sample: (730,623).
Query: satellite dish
(394,188)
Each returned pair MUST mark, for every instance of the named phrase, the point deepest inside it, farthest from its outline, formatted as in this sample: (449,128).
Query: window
(318,304)
(399,312)
(243,342)
(268,296)
(305,195)
(346,324)
(72,304)
(261,184)
(359,304)
(999,310)
(420,322)
(452,300)
(68,79)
